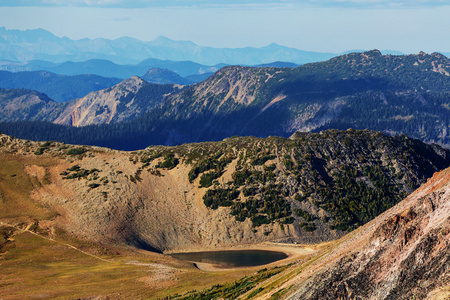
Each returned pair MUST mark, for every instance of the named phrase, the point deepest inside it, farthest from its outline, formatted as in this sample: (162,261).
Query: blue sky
(315,25)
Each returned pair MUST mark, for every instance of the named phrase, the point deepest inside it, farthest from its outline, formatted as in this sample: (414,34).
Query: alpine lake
(232,258)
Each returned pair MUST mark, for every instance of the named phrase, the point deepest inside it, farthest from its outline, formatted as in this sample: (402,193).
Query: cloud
(379,3)
(221,3)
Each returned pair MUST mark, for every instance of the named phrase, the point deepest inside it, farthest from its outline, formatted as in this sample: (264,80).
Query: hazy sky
(315,25)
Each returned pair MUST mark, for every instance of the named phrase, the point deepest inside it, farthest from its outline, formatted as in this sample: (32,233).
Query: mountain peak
(162,39)
(132,84)
(165,41)
(374,53)
(273,45)
(164,76)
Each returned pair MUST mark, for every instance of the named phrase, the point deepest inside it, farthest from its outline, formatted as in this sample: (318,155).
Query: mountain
(125,101)
(20,104)
(107,68)
(16,45)
(93,219)
(58,87)
(182,68)
(175,50)
(403,254)
(122,102)
(164,76)
(307,189)
(393,94)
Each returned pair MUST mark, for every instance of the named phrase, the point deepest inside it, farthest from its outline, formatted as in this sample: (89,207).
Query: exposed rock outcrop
(99,107)
(402,254)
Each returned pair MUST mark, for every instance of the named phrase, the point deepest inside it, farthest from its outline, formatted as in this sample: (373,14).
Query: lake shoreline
(292,251)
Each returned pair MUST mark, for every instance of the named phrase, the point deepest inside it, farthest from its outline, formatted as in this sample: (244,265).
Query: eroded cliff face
(99,107)
(123,102)
(403,254)
(231,88)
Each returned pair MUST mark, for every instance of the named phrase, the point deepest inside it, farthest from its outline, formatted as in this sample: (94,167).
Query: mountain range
(106,68)
(394,94)
(60,88)
(96,220)
(39,44)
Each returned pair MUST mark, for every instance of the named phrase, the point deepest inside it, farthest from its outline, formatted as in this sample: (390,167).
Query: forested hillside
(394,94)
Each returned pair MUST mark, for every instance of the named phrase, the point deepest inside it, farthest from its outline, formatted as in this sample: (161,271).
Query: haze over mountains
(58,87)
(394,94)
(107,68)
(39,44)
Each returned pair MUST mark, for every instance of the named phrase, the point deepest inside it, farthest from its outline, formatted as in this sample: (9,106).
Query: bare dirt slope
(156,212)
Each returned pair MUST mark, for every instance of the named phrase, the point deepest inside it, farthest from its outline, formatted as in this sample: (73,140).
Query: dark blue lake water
(233,258)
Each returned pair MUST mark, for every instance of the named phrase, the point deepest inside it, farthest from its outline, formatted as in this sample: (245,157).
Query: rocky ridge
(402,254)
(393,94)
(100,107)
(240,190)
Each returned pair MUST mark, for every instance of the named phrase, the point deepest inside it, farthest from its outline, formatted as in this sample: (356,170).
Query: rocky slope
(402,254)
(19,104)
(122,102)
(310,188)
(98,107)
(125,101)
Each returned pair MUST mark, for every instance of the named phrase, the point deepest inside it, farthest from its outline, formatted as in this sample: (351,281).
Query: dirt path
(21,230)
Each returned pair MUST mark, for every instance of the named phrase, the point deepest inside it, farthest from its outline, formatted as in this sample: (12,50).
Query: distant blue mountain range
(39,44)
(106,68)
(60,88)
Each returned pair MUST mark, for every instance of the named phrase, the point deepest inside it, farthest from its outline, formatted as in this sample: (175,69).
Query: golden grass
(15,187)
(34,265)
(50,269)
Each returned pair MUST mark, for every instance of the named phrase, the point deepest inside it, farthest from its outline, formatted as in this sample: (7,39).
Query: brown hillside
(402,254)
(240,191)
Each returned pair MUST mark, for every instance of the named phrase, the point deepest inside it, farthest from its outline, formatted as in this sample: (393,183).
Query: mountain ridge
(271,189)
(106,68)
(389,93)
(60,88)
(16,46)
